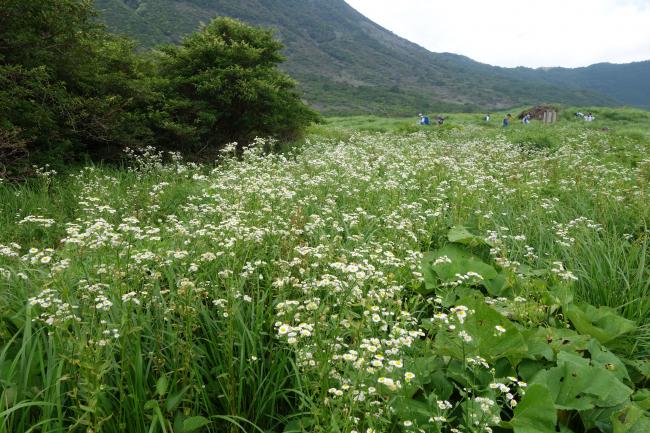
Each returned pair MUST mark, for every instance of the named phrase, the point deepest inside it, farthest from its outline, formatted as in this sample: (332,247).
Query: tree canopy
(69,88)
(226,85)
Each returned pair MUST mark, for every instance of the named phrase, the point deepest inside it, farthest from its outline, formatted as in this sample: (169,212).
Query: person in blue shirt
(506,121)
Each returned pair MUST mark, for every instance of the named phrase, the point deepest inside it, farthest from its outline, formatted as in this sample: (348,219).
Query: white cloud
(540,33)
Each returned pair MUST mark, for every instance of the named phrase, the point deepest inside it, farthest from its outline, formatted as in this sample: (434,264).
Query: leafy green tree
(46,32)
(66,85)
(223,85)
(69,88)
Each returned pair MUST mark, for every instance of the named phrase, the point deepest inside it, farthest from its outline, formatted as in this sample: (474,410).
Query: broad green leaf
(503,368)
(466,376)
(452,262)
(601,357)
(441,385)
(486,340)
(575,384)
(548,342)
(539,343)
(414,410)
(566,387)
(498,286)
(602,323)
(431,282)
(632,419)
(528,368)
(641,367)
(457,372)
(530,272)
(461,235)
(536,412)
(462,262)
(299,425)
(642,398)
(600,418)
(194,423)
(425,367)
(559,296)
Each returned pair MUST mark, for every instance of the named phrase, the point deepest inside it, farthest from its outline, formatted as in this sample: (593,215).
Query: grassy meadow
(381,277)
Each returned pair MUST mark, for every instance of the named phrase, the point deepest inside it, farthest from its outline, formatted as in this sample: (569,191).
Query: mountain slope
(348,64)
(629,83)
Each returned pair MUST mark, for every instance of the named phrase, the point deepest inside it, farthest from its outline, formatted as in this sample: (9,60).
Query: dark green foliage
(66,86)
(225,86)
(69,89)
(29,100)
(45,32)
(536,413)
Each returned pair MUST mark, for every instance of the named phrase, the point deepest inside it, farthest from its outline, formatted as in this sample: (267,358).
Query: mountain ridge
(628,81)
(347,64)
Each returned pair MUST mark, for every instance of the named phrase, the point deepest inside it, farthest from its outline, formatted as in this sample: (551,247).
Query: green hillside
(348,64)
(627,83)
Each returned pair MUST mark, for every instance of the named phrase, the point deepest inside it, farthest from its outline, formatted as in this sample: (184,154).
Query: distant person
(423,120)
(486,119)
(506,121)
(580,114)
(526,119)
(440,120)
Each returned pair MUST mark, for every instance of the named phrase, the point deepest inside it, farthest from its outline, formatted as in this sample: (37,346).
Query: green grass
(254,295)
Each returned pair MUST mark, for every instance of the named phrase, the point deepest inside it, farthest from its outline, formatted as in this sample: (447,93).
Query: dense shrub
(225,86)
(68,88)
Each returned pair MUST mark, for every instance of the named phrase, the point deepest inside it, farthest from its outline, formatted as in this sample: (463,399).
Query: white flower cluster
(55,310)
(37,220)
(11,250)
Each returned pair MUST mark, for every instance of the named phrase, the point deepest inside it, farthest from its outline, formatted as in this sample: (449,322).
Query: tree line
(70,89)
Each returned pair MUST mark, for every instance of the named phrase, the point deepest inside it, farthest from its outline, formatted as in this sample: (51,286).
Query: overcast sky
(567,33)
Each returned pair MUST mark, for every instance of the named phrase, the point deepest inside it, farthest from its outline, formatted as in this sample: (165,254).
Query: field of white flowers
(380,283)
